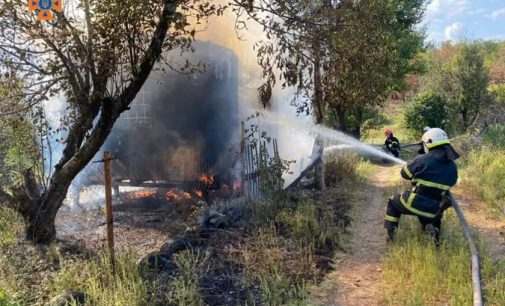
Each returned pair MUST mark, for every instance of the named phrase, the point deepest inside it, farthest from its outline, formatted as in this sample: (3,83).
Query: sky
(458,20)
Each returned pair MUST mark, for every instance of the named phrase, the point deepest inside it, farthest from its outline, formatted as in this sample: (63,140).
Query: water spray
(337,140)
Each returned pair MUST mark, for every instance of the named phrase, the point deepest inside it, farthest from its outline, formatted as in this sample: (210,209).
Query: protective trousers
(394,211)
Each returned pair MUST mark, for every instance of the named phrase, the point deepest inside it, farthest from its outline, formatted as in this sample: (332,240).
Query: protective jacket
(432,175)
(392,144)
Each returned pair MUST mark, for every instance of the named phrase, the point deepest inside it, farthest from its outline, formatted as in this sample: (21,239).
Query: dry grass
(484,173)
(418,273)
(286,246)
(95,278)
(284,252)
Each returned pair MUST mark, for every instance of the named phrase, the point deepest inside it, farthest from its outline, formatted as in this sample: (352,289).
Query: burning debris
(177,195)
(142,194)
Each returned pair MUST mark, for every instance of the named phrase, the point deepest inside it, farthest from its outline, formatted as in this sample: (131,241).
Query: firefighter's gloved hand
(444,205)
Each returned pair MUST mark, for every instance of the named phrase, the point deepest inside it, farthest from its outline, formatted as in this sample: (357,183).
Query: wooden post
(107,158)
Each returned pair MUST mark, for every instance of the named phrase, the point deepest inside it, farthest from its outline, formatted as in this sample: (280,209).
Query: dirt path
(358,275)
(490,228)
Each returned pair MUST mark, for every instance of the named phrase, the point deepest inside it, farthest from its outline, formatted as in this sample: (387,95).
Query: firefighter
(432,175)
(392,144)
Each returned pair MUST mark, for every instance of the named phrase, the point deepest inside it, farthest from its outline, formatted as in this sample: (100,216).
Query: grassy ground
(418,273)
(394,121)
(484,169)
(286,246)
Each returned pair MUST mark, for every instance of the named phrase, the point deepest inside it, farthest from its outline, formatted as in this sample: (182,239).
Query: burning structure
(182,130)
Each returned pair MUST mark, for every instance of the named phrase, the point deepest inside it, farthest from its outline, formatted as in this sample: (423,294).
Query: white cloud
(497,14)
(454,31)
(445,8)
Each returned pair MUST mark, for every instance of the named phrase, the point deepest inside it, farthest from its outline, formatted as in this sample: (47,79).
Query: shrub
(495,136)
(341,165)
(498,91)
(427,109)
(485,173)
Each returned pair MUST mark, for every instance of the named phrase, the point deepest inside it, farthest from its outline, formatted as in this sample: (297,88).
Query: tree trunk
(317,100)
(84,141)
(40,227)
(341,115)
(40,214)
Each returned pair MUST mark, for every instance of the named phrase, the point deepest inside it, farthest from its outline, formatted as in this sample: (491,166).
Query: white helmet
(434,137)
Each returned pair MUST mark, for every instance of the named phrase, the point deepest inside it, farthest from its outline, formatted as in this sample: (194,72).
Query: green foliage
(4,299)
(484,172)
(498,91)
(458,75)
(10,227)
(18,148)
(473,80)
(427,109)
(495,136)
(371,58)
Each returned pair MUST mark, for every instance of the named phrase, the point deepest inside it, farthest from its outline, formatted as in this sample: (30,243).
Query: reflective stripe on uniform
(431,184)
(436,144)
(407,171)
(391,219)
(408,206)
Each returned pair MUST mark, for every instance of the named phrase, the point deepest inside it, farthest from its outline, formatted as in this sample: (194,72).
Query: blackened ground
(140,224)
(158,230)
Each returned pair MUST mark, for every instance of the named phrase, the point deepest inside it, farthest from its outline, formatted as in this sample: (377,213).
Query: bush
(495,136)
(339,166)
(498,91)
(485,173)
(427,109)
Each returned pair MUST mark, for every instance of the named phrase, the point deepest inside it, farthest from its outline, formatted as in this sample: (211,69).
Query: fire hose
(476,282)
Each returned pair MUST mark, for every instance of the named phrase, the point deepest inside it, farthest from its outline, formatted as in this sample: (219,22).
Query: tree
(343,57)
(427,109)
(296,46)
(99,56)
(473,81)
(373,53)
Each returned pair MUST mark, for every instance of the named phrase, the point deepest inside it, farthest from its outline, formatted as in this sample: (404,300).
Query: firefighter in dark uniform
(392,144)
(432,175)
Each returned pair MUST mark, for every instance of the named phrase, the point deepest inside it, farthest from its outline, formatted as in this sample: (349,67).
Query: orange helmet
(388,131)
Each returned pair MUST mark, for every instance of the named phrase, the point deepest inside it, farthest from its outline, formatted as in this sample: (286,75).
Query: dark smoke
(180,125)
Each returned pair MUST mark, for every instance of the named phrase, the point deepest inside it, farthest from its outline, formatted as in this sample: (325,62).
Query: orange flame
(142,194)
(175,195)
(171,195)
(207,179)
